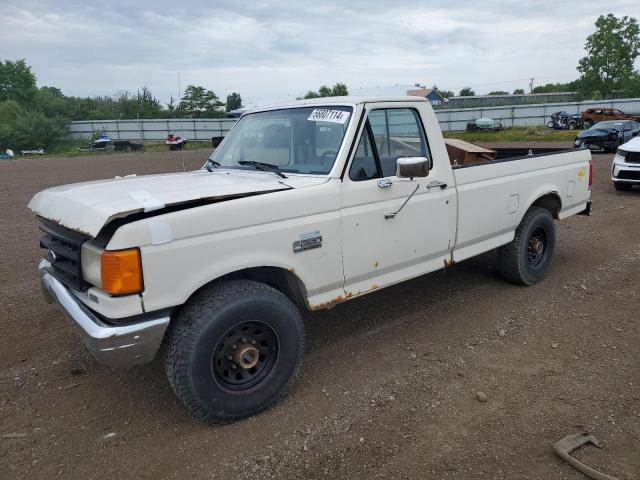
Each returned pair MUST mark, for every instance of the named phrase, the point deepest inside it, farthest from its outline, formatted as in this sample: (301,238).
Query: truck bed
(493,194)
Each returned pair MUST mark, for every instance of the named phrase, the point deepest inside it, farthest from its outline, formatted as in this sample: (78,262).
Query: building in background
(430,94)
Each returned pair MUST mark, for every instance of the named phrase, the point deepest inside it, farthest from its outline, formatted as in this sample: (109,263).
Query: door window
(397,132)
(364,166)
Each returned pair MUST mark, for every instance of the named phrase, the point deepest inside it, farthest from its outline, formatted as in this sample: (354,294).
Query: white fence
(191,129)
(450,119)
(527,115)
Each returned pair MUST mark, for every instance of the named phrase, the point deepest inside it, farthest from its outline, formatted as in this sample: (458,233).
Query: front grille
(65,246)
(629,175)
(633,157)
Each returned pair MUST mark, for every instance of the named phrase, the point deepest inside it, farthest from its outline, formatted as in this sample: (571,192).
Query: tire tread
(192,320)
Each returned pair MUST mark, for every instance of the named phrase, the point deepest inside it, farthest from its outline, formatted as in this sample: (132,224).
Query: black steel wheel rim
(245,355)
(537,248)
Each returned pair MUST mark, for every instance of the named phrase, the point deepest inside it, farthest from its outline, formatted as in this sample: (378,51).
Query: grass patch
(515,134)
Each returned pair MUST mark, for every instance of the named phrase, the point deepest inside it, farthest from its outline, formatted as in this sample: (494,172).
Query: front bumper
(625,172)
(119,346)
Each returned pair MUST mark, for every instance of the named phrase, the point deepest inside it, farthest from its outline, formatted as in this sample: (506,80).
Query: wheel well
(550,201)
(283,280)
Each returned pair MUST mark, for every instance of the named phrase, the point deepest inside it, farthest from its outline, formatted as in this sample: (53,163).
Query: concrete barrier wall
(192,129)
(204,129)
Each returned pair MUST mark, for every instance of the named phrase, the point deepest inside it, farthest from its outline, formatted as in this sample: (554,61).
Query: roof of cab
(347,100)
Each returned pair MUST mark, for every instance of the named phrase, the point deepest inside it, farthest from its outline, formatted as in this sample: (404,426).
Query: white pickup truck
(302,206)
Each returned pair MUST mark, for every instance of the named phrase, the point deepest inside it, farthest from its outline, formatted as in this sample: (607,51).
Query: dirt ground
(391,383)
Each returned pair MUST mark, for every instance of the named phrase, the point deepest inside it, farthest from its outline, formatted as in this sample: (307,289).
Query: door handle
(436,184)
(385,183)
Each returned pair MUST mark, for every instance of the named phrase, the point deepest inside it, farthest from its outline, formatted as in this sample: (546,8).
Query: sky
(277,50)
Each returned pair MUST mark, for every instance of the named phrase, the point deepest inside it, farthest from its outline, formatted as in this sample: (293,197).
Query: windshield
(607,125)
(296,140)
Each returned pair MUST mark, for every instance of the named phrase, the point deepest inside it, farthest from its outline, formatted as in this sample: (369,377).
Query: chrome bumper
(117,346)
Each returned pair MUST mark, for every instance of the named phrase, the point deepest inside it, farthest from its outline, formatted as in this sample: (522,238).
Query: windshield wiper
(211,162)
(265,167)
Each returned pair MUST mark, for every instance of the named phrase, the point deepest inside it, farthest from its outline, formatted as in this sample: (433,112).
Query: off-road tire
(202,325)
(514,258)
(622,186)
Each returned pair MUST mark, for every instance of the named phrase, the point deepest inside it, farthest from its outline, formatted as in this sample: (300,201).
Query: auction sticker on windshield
(326,115)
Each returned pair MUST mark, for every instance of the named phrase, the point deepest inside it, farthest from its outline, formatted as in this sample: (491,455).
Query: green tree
(556,87)
(466,92)
(234,101)
(518,91)
(325,91)
(28,129)
(611,52)
(338,90)
(17,81)
(498,92)
(200,102)
(444,93)
(171,106)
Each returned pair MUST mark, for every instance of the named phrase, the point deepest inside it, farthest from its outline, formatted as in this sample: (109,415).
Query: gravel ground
(456,374)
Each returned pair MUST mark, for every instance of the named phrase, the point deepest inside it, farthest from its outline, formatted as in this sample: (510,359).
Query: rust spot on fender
(348,295)
(448,263)
(329,303)
(376,264)
(291,269)
(375,286)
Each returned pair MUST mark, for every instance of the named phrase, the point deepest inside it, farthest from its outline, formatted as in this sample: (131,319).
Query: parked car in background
(607,136)
(591,116)
(625,171)
(484,124)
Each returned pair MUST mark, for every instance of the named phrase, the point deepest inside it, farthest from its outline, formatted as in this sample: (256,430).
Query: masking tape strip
(160,233)
(146,200)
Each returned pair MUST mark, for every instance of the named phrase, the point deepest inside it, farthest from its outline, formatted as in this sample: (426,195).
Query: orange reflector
(121,271)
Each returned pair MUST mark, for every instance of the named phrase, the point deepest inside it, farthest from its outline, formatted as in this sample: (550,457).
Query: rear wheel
(234,351)
(526,259)
(622,187)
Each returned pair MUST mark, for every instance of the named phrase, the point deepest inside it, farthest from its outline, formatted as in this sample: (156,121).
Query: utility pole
(531,85)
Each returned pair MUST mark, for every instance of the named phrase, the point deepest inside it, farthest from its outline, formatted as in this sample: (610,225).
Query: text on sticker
(326,115)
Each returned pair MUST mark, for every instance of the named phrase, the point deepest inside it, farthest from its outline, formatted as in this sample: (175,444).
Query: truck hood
(86,207)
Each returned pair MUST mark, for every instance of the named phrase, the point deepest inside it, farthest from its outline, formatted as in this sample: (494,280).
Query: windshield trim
(328,104)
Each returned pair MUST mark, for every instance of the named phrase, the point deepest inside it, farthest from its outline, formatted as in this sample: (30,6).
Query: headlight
(622,153)
(117,272)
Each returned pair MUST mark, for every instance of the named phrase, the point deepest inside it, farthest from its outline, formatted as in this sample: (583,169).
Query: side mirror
(410,167)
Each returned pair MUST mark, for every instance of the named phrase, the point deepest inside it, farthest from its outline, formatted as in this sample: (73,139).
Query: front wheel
(526,259)
(234,351)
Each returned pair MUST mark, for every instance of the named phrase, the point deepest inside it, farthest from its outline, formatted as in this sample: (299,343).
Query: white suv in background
(625,171)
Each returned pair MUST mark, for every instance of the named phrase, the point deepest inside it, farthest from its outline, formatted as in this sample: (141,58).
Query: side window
(397,133)
(363,166)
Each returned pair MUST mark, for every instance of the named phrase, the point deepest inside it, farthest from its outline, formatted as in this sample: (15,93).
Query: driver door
(379,250)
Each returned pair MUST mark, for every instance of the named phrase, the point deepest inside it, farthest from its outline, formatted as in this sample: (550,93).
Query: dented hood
(86,207)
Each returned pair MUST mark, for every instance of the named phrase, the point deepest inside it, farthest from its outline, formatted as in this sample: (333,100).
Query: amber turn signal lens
(121,271)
